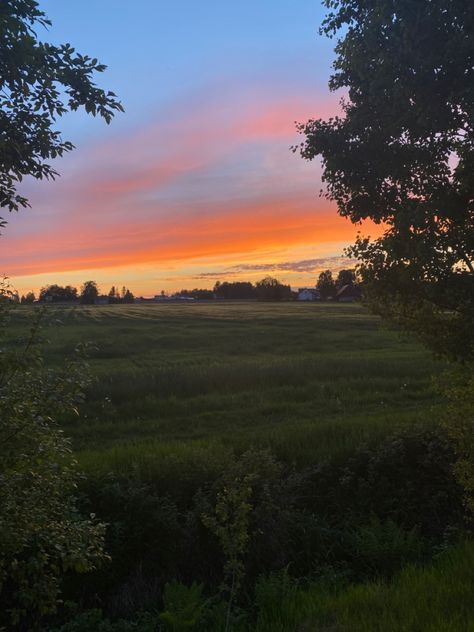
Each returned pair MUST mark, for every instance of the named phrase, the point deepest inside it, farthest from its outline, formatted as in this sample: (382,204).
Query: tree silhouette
(402,154)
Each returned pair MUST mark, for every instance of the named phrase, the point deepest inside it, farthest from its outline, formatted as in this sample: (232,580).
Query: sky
(196,182)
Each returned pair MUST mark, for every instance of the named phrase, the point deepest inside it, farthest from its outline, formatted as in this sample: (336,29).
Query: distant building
(101,300)
(309,294)
(348,293)
(144,299)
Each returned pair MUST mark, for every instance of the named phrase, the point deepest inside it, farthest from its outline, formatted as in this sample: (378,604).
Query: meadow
(310,427)
(308,380)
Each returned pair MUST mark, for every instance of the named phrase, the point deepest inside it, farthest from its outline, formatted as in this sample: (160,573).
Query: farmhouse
(101,300)
(309,294)
(348,293)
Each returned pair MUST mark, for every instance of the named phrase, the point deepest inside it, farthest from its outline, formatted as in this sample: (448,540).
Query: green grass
(308,380)
(436,598)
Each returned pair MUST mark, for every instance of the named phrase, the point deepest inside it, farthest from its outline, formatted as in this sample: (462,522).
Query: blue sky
(196,180)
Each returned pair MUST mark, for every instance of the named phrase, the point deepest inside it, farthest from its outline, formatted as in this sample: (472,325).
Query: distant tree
(89,293)
(128,297)
(197,294)
(113,295)
(345,277)
(28,298)
(57,293)
(402,155)
(326,285)
(42,534)
(39,83)
(237,290)
(270,289)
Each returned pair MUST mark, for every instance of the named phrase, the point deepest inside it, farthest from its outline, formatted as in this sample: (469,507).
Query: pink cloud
(136,198)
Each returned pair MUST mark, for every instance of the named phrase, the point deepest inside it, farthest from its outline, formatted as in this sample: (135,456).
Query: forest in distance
(267,289)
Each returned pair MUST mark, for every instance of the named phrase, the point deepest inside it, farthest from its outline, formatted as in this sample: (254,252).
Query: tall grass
(306,380)
(436,598)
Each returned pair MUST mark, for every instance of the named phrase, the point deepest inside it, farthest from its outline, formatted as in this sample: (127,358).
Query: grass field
(308,380)
(437,598)
(181,391)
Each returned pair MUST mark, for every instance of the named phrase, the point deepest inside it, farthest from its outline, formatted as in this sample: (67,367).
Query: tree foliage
(235,290)
(39,82)
(28,299)
(326,285)
(89,292)
(402,155)
(42,535)
(345,277)
(270,289)
(57,293)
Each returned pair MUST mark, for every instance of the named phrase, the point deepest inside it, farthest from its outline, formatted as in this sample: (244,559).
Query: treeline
(329,287)
(89,294)
(271,289)
(268,289)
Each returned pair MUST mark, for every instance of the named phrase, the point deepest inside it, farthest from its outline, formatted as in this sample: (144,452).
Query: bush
(42,534)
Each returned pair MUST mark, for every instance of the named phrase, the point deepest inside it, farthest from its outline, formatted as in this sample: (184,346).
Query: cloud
(306,265)
(310,266)
(209,178)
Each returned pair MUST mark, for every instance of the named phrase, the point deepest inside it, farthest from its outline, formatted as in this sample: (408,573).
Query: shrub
(42,534)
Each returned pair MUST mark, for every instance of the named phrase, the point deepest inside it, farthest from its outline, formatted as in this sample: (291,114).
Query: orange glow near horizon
(272,225)
(212,193)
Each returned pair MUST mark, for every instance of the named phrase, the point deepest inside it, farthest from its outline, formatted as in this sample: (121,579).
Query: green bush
(42,534)
(184,606)
(94,621)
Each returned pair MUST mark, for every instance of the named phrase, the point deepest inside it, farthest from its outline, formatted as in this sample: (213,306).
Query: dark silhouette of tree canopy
(235,290)
(28,298)
(89,293)
(128,297)
(270,289)
(113,295)
(326,285)
(57,293)
(345,277)
(39,83)
(402,154)
(198,294)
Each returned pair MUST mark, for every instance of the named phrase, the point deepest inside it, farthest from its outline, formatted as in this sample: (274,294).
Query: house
(309,294)
(348,293)
(102,299)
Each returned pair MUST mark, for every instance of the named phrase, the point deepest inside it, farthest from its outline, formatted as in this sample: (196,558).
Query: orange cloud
(216,181)
(261,225)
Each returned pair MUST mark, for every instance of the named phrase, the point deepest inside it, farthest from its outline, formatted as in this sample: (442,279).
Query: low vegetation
(259,467)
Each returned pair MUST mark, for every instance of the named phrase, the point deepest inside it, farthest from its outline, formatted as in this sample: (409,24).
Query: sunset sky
(196,181)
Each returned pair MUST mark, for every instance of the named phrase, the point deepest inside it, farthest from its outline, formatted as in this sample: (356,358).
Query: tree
(28,298)
(402,155)
(56,293)
(113,295)
(345,277)
(89,293)
(198,294)
(270,289)
(42,534)
(326,285)
(128,297)
(238,290)
(39,83)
